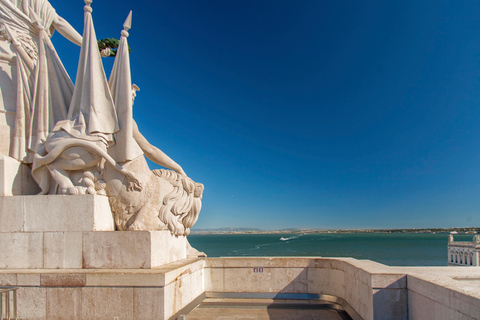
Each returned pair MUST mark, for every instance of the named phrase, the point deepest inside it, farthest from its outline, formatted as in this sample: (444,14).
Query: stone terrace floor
(263,309)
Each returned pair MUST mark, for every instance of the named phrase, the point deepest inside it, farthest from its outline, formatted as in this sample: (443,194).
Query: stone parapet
(371,290)
(443,293)
(367,290)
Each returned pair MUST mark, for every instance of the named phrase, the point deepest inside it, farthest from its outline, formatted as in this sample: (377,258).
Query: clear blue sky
(319,114)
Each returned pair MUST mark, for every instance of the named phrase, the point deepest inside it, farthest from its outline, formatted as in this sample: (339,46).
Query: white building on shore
(464,253)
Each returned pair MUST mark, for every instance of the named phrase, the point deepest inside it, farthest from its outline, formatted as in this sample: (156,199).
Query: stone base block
(38,250)
(55,213)
(90,250)
(21,250)
(15,177)
(131,249)
(106,294)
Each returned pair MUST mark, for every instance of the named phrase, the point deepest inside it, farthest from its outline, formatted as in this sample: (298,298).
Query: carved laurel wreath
(108,47)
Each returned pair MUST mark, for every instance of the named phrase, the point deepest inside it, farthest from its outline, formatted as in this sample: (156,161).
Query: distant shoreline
(469,230)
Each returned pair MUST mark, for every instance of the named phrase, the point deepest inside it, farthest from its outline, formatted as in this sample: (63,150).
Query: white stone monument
(82,139)
(76,193)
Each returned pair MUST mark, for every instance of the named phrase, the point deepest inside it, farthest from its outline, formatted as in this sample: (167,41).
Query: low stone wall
(372,290)
(443,293)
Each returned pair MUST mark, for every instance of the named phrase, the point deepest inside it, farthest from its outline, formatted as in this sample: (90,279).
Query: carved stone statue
(16,15)
(98,149)
(26,27)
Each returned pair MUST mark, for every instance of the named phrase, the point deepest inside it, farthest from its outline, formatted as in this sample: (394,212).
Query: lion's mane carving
(182,205)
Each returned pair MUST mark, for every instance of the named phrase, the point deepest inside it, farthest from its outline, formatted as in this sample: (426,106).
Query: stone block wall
(371,290)
(106,294)
(432,297)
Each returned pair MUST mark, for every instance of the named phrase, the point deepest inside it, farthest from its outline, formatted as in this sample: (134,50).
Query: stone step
(240,308)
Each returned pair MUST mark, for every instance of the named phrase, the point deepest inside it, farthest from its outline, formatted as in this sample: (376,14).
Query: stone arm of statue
(153,153)
(66,30)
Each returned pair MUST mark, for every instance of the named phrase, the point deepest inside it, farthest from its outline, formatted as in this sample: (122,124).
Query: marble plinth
(55,213)
(90,250)
(42,232)
(131,249)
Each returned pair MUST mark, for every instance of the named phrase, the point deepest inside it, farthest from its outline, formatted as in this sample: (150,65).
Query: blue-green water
(393,249)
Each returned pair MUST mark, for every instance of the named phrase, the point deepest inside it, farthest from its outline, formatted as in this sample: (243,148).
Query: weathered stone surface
(326,281)
(465,304)
(55,213)
(391,281)
(64,303)
(293,280)
(28,279)
(420,307)
(107,303)
(75,250)
(180,268)
(21,250)
(390,304)
(62,250)
(31,303)
(63,280)
(182,291)
(131,249)
(12,214)
(8,279)
(429,289)
(214,279)
(67,213)
(167,248)
(149,303)
(270,262)
(125,278)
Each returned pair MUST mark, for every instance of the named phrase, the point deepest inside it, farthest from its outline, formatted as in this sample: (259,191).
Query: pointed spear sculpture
(120,82)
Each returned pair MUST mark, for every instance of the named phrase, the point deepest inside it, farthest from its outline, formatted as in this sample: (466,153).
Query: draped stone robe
(44,89)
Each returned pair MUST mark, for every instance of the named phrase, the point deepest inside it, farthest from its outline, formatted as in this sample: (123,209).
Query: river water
(393,249)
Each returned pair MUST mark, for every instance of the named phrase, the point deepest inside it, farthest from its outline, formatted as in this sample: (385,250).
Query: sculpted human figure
(16,15)
(150,151)
(98,149)
(26,27)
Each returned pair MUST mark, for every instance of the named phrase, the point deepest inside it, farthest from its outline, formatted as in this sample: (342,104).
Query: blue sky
(314,114)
